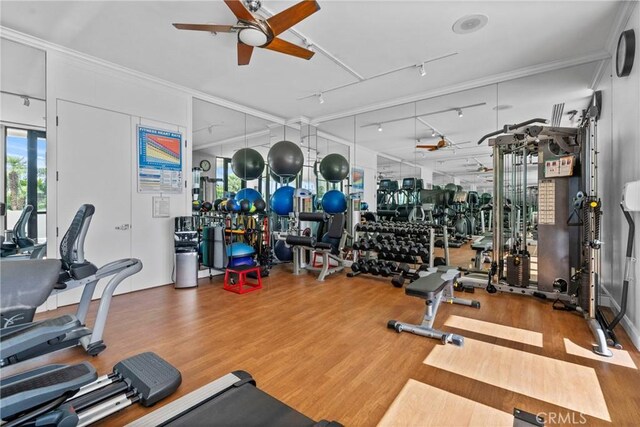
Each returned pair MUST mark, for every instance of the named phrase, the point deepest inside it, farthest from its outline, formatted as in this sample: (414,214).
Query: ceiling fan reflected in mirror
(434,147)
(253,31)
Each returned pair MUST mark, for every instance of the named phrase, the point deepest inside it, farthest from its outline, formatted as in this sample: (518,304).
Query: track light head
(320,98)
(26,101)
(423,71)
(459,112)
(433,133)
(379,127)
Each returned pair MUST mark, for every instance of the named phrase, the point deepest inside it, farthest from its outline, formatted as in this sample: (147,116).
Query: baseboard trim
(629,327)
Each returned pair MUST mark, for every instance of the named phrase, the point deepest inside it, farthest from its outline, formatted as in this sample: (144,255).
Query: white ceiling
(371,37)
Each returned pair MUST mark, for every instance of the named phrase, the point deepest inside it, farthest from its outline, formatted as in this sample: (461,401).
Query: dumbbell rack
(378,246)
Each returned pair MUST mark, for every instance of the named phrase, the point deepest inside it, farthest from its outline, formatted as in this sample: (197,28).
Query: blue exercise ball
(239,249)
(364,206)
(282,200)
(282,251)
(248,193)
(334,202)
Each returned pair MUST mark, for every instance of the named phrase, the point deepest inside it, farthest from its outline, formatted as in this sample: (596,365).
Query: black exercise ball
(216,204)
(334,167)
(285,159)
(260,205)
(245,205)
(247,164)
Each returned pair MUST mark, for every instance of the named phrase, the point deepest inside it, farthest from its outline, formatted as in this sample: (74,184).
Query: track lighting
(423,71)
(309,45)
(459,112)
(26,101)
(433,133)
(320,98)
(379,127)
(210,129)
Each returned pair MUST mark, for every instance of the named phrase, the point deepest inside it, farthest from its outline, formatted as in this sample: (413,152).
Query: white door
(94,166)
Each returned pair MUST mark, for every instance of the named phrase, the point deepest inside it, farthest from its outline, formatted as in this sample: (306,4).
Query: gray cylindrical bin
(186,270)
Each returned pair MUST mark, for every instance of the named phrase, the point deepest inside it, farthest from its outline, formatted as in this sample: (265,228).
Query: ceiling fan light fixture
(252,37)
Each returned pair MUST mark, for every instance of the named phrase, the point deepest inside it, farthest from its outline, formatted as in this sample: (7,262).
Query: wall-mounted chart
(159,161)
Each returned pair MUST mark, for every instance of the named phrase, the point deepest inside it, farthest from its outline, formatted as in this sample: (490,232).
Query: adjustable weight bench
(435,285)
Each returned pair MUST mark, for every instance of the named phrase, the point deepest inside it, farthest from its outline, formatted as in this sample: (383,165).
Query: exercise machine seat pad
(427,287)
(483,244)
(27,283)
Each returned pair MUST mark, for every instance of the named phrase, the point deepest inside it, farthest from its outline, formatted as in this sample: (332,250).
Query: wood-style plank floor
(324,348)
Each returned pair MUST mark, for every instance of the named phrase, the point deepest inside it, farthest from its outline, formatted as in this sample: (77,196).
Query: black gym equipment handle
(301,241)
(508,128)
(313,216)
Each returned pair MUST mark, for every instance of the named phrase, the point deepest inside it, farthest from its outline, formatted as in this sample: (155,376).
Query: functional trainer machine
(435,286)
(27,284)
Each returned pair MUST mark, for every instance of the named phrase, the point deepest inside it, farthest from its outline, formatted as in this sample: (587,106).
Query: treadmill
(73,395)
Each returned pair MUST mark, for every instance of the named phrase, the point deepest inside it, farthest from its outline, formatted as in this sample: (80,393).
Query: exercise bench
(435,286)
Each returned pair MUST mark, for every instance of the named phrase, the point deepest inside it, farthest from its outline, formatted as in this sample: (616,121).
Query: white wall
(367,160)
(148,103)
(619,143)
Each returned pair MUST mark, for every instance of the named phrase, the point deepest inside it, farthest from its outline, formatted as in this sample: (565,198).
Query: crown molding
(26,39)
(472,84)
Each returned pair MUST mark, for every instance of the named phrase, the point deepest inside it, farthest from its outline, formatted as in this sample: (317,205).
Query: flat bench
(435,285)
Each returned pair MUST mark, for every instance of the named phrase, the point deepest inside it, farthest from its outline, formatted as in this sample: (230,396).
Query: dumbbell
(385,270)
(374,268)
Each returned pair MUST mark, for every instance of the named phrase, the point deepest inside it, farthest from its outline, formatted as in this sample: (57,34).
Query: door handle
(123,227)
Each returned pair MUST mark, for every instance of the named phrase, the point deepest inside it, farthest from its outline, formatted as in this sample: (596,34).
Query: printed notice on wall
(559,167)
(547,202)
(159,161)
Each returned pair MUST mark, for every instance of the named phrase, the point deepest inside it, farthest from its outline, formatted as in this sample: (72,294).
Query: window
(26,178)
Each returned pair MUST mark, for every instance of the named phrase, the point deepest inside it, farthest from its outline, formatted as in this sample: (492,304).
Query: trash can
(186,269)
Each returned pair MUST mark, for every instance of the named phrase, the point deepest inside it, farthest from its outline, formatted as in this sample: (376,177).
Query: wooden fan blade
(290,17)
(205,27)
(239,10)
(426,146)
(284,46)
(244,53)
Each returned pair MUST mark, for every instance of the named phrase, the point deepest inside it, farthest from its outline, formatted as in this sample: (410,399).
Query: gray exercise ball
(247,164)
(285,159)
(334,167)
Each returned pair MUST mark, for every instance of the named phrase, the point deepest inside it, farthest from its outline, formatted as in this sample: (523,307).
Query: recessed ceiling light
(501,107)
(469,24)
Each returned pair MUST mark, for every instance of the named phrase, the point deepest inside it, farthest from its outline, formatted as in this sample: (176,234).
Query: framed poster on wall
(159,161)
(357,180)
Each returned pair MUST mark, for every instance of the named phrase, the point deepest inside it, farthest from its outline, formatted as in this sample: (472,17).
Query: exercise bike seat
(37,387)
(428,286)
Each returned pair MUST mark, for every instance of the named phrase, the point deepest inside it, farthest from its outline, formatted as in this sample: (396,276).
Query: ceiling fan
(433,147)
(253,31)
(485,169)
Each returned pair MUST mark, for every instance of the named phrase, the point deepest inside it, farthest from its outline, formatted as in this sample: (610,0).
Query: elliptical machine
(27,284)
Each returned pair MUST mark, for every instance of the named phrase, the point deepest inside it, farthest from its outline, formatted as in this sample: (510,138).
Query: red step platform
(235,279)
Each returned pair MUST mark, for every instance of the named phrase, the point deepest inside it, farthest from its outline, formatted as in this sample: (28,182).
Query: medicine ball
(259,205)
(285,159)
(282,251)
(216,204)
(334,167)
(232,205)
(206,207)
(247,164)
(364,206)
(196,205)
(245,205)
(334,202)
(282,201)
(248,193)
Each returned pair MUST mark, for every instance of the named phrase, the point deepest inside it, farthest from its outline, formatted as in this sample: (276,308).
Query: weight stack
(518,270)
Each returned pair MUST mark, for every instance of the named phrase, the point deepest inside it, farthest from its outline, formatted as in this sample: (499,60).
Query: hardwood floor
(324,349)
